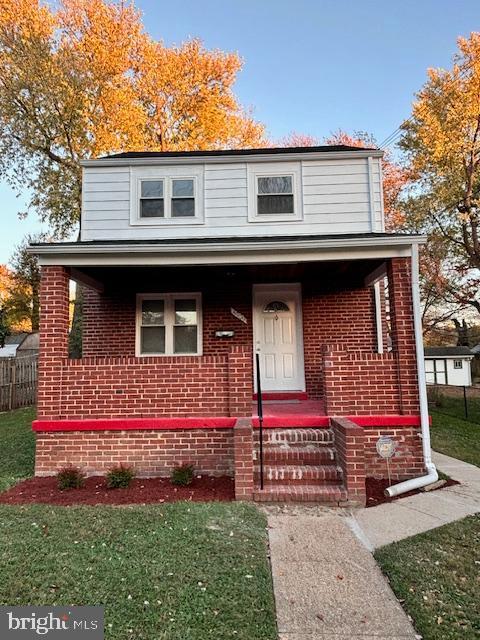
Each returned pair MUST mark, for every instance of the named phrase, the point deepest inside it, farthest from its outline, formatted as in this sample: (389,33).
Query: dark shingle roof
(447,351)
(236,152)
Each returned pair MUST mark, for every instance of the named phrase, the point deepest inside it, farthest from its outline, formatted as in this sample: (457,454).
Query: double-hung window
(169,324)
(274,193)
(167,196)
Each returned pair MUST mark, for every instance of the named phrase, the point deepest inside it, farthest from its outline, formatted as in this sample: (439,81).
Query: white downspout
(431,475)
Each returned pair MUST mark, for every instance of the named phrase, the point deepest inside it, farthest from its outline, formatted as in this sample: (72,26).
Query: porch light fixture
(275,307)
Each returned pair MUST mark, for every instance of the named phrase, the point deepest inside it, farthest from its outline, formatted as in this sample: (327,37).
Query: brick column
(350,446)
(54,323)
(401,311)
(240,381)
(243,456)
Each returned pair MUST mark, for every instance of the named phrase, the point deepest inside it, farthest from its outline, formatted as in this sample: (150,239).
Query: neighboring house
(20,344)
(448,365)
(191,263)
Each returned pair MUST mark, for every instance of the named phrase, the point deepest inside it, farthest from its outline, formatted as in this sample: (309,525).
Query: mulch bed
(376,487)
(141,491)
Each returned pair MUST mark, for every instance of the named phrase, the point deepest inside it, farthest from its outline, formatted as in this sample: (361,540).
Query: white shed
(449,365)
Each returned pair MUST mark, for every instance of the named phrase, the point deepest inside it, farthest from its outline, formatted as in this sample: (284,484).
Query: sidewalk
(327,585)
(406,517)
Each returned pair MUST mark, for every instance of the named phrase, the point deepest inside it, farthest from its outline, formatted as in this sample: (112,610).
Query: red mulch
(376,487)
(141,491)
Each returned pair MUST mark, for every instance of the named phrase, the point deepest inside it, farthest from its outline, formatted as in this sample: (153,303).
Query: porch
(171,380)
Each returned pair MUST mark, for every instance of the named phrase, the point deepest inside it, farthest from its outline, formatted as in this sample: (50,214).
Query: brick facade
(150,452)
(342,367)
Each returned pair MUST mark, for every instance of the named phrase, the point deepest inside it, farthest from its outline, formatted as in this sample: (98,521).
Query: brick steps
(300,456)
(300,465)
(298,436)
(299,475)
(333,494)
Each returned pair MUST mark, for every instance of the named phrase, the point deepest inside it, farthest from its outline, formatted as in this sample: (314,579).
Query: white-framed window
(274,192)
(458,364)
(169,324)
(166,196)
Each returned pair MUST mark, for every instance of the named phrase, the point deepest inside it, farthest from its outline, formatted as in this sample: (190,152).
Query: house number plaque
(238,315)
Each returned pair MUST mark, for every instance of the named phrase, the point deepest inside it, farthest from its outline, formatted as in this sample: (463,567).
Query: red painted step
(283,395)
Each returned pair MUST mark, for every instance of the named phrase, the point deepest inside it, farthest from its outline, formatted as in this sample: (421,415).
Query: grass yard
(455,437)
(178,571)
(17,446)
(455,406)
(436,575)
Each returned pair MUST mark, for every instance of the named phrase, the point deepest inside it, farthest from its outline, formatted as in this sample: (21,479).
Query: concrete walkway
(327,585)
(403,518)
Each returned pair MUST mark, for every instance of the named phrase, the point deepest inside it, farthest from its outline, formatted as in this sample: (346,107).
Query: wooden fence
(18,382)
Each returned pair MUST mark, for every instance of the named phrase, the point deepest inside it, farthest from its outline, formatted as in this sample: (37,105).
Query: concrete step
(331,494)
(312,454)
(300,436)
(299,475)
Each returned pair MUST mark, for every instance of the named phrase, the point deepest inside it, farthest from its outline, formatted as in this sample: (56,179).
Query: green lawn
(183,571)
(436,576)
(455,406)
(17,446)
(455,437)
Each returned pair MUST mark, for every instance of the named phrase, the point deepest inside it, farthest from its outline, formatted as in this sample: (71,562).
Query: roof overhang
(233,158)
(221,251)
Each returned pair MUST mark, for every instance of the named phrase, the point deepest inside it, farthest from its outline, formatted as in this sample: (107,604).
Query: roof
(16,338)
(237,152)
(235,239)
(448,352)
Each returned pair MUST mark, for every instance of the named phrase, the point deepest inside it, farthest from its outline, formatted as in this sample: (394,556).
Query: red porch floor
(292,413)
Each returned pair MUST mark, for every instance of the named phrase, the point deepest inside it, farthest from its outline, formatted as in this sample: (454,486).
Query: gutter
(431,475)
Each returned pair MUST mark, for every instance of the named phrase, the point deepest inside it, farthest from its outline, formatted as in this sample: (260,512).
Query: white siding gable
(338,196)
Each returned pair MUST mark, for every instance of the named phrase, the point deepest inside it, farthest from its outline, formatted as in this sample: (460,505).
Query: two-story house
(191,263)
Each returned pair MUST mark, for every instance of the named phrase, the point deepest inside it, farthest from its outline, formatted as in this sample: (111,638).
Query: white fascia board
(230,159)
(84,254)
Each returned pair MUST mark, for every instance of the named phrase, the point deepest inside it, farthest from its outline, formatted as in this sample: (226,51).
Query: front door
(278,336)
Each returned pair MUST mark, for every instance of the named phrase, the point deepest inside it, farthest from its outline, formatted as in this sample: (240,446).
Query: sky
(311,66)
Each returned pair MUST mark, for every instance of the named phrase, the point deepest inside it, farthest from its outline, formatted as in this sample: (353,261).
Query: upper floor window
(274,195)
(274,192)
(166,196)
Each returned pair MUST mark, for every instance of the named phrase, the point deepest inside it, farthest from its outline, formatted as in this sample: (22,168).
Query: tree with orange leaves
(85,79)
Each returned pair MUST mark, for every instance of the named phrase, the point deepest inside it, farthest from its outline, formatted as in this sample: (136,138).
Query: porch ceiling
(323,277)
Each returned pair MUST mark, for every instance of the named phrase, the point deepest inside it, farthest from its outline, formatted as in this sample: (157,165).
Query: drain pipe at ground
(431,475)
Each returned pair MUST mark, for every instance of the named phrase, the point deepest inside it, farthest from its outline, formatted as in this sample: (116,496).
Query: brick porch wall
(407,461)
(150,452)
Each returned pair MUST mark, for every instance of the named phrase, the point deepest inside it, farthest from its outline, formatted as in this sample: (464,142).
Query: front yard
(456,437)
(436,577)
(17,446)
(183,571)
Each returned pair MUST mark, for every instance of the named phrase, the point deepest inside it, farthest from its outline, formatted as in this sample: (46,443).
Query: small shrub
(182,476)
(120,477)
(70,478)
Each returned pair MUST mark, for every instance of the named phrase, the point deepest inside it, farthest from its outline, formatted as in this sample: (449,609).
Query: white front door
(278,336)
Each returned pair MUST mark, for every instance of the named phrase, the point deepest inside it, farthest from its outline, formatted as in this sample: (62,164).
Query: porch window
(169,324)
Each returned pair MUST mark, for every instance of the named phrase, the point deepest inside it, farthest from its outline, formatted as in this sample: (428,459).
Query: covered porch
(169,342)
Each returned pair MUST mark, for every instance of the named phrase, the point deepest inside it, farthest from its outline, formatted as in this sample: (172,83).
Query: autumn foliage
(82,78)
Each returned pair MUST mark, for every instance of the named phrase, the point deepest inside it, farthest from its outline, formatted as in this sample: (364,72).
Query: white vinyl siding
(337,197)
